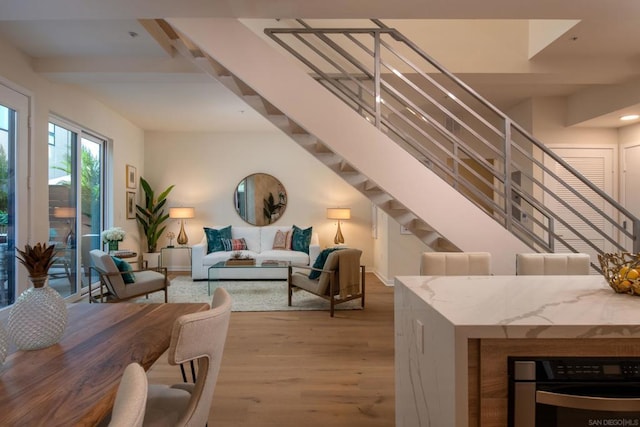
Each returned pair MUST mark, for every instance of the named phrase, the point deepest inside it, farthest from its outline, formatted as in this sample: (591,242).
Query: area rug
(259,295)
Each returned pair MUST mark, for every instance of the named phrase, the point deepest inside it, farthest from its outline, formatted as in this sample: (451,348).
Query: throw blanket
(349,273)
(319,263)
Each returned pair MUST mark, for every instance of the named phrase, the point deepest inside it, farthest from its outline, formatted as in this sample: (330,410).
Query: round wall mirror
(260,199)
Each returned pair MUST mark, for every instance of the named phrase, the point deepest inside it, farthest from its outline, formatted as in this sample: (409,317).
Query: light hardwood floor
(303,368)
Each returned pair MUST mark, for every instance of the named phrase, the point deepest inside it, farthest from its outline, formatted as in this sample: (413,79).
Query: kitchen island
(453,336)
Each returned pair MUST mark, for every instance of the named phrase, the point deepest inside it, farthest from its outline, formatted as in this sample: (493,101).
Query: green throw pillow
(214,238)
(322,258)
(301,239)
(124,266)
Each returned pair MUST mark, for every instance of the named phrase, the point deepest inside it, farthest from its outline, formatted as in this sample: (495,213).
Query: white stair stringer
(404,189)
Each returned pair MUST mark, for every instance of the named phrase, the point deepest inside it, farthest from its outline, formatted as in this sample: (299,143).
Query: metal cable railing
(463,138)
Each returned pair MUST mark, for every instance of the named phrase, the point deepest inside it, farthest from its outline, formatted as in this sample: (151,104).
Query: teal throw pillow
(214,238)
(322,258)
(124,266)
(301,239)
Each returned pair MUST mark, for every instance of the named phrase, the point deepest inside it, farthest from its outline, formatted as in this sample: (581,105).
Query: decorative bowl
(622,271)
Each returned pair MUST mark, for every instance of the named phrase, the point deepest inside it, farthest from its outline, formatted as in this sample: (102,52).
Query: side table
(172,248)
(130,256)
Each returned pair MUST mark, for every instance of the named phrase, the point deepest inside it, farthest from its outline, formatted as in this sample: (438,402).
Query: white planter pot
(152,259)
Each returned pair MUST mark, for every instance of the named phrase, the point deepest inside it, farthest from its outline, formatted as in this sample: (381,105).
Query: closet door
(631,182)
(597,166)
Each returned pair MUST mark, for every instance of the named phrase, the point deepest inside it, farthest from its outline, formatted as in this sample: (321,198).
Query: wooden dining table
(74,382)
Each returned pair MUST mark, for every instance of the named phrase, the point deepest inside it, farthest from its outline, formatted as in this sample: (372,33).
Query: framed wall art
(132,177)
(131,205)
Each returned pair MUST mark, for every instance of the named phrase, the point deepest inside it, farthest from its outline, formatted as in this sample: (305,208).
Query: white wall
(629,135)
(629,141)
(549,125)
(395,254)
(73,105)
(207,167)
(404,252)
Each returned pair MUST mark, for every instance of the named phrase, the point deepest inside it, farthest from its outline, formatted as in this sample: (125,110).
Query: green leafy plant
(151,215)
(271,209)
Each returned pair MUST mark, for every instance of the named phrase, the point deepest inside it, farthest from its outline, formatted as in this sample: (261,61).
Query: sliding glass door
(14,133)
(76,203)
(92,152)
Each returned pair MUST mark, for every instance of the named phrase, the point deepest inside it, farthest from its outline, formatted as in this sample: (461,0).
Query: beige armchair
(145,281)
(341,278)
(455,264)
(552,264)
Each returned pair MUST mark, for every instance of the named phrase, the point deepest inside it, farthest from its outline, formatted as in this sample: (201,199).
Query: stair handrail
(505,134)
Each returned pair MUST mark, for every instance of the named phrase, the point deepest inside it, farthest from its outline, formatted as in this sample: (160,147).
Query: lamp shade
(182,213)
(338,213)
(64,212)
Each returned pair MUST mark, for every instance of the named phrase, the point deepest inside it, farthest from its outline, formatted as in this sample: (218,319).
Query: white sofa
(259,246)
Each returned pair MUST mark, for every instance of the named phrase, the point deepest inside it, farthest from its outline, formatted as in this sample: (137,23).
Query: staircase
(457,173)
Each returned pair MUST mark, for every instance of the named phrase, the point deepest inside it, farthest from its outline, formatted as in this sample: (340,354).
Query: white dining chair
(129,407)
(199,337)
(455,264)
(528,264)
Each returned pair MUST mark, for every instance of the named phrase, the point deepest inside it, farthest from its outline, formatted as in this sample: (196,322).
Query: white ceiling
(93,47)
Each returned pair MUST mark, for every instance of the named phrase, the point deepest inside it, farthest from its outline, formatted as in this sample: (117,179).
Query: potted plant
(112,237)
(151,215)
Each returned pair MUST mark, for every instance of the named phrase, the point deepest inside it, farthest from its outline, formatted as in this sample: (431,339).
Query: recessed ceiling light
(630,117)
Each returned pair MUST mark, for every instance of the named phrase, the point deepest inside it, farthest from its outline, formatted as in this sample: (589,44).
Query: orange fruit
(625,285)
(632,274)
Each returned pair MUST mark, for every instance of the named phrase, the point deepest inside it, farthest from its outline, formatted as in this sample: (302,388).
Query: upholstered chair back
(341,278)
(455,264)
(104,263)
(347,264)
(129,407)
(552,264)
(201,337)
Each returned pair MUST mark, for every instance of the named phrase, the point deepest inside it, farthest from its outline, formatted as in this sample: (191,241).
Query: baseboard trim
(383,279)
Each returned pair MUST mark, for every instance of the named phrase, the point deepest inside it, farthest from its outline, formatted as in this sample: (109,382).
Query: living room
(134,146)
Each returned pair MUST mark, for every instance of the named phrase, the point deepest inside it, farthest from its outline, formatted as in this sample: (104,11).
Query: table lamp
(182,214)
(69,214)
(338,214)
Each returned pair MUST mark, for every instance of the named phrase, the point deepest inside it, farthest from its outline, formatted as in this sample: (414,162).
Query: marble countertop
(529,306)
